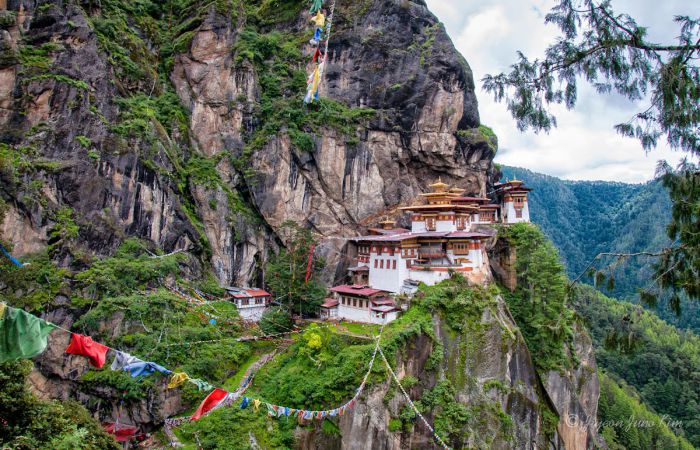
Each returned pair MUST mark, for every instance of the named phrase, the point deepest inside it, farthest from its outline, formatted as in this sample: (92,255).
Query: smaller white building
(329,309)
(514,205)
(251,303)
(360,303)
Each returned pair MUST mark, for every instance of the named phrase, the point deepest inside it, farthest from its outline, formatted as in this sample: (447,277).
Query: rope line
(233,396)
(316,77)
(329,27)
(358,391)
(243,338)
(410,402)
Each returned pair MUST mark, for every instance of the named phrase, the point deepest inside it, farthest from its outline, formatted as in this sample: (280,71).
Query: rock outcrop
(59,376)
(394,57)
(91,132)
(574,393)
(490,368)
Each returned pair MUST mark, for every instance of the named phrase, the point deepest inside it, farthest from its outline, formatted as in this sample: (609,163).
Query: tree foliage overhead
(679,266)
(613,53)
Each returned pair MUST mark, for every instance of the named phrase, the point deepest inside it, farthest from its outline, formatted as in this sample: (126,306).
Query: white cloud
(585,145)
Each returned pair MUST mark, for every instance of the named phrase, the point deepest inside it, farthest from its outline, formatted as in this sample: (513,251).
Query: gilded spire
(439,186)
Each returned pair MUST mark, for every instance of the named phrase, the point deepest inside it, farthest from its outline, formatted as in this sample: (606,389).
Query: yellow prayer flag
(177,379)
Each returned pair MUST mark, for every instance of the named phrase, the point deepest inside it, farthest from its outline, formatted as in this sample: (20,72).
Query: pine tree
(286,273)
(612,53)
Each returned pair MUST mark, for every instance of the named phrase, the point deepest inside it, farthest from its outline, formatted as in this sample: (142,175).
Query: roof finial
(439,186)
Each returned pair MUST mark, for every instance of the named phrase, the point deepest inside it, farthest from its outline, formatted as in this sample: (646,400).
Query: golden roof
(439,186)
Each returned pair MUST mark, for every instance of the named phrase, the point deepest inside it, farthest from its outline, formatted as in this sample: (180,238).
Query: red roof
(330,303)
(382,231)
(489,206)
(357,290)
(383,301)
(429,234)
(359,269)
(467,234)
(252,293)
(424,234)
(385,238)
(258,293)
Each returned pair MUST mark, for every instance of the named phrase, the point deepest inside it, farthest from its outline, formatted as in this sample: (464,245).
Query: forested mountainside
(645,357)
(585,218)
(154,151)
(659,363)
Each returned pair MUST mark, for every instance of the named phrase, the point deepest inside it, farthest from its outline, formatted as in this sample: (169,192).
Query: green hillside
(660,362)
(585,218)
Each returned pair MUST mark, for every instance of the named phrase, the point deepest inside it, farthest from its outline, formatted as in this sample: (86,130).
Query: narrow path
(253,442)
(245,383)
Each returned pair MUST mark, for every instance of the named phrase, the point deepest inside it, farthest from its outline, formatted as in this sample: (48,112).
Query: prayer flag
(122,359)
(141,368)
(201,385)
(177,380)
(22,335)
(85,346)
(209,403)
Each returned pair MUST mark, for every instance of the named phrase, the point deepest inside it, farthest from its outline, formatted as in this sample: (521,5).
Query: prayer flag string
(18,326)
(303,414)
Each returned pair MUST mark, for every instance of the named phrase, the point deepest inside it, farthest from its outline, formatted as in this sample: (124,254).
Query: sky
(584,146)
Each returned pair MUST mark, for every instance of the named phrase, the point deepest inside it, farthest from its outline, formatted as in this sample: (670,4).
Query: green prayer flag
(315,6)
(22,335)
(201,385)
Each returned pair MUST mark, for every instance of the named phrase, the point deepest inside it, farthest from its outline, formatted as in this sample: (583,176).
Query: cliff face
(58,96)
(58,376)
(508,405)
(186,129)
(69,101)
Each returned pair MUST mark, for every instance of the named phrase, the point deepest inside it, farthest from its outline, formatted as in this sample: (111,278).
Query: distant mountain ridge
(585,218)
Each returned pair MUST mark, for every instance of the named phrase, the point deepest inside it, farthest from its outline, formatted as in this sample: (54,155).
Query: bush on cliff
(29,423)
(539,304)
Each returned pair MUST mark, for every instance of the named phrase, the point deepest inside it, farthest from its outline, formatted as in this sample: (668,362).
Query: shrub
(29,423)
(275,320)
(539,304)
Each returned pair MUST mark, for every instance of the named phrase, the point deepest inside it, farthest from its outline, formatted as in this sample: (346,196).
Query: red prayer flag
(85,346)
(209,403)
(311,259)
(122,433)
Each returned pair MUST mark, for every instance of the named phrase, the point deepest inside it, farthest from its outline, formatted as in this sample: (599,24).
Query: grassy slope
(323,367)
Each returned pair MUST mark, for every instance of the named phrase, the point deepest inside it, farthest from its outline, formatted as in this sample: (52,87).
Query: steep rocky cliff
(473,377)
(159,126)
(182,124)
